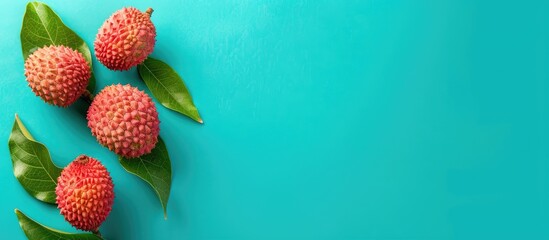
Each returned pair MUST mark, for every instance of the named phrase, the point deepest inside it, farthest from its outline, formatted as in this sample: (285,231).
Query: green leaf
(42,27)
(168,87)
(155,168)
(32,164)
(37,231)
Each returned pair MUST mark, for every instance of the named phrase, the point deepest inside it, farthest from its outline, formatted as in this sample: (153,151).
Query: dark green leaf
(37,231)
(168,87)
(42,27)
(155,168)
(32,164)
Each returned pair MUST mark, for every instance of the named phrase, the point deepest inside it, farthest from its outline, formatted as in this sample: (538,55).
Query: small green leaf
(155,168)
(37,231)
(168,87)
(32,164)
(42,27)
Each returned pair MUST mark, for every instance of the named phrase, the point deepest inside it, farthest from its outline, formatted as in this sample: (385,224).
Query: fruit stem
(83,159)
(149,11)
(97,233)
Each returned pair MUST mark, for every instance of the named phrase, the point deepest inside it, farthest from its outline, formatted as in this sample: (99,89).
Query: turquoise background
(323,120)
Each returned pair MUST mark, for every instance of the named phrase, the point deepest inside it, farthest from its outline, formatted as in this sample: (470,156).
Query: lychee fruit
(57,74)
(125,120)
(85,193)
(125,39)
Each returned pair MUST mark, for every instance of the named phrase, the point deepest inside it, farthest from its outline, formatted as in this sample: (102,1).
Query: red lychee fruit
(125,120)
(85,193)
(125,39)
(57,74)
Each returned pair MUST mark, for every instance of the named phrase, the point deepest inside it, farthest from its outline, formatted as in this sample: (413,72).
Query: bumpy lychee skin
(125,39)
(57,74)
(85,193)
(125,120)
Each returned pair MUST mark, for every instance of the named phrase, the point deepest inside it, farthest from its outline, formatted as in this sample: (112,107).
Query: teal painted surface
(323,120)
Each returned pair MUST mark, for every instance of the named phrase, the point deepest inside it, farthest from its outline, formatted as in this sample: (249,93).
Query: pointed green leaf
(168,87)
(42,27)
(32,164)
(37,231)
(155,168)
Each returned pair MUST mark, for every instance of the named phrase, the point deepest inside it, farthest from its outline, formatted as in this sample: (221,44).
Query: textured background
(323,120)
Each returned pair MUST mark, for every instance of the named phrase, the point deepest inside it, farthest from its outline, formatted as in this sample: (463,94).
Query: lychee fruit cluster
(57,74)
(121,117)
(125,120)
(125,39)
(85,193)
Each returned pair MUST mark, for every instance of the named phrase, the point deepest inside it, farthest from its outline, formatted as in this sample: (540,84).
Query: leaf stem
(87,96)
